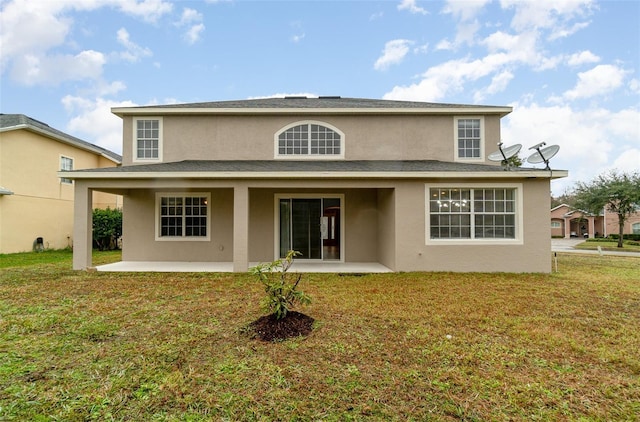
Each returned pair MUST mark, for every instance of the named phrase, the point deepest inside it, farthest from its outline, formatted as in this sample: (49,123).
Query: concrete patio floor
(227,267)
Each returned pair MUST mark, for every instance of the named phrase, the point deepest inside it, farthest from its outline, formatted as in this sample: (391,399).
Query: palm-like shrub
(281,287)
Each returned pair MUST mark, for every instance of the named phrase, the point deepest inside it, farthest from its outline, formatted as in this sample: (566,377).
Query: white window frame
(456,151)
(65,180)
(135,157)
(635,228)
(184,237)
(519,215)
(308,156)
(556,225)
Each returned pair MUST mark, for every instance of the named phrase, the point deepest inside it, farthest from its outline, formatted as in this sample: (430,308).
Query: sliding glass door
(310,226)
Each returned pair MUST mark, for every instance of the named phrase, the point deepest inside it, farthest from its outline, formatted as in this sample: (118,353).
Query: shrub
(280,286)
(107,228)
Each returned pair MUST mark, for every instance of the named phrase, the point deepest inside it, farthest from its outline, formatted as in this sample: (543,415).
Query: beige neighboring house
(567,222)
(35,203)
(405,185)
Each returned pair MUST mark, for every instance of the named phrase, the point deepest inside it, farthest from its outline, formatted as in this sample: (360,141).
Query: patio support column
(240,229)
(82,226)
(567,227)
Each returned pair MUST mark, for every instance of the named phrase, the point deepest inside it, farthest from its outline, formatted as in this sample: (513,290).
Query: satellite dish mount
(504,154)
(543,155)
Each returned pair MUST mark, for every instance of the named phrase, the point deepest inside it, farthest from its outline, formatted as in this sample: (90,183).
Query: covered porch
(355,225)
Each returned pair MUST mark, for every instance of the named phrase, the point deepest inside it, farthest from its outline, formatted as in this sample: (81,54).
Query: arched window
(309,140)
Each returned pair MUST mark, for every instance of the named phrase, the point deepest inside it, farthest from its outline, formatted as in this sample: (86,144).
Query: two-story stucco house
(36,205)
(402,185)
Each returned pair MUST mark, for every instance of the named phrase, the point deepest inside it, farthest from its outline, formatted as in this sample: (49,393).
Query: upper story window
(309,140)
(66,163)
(147,135)
(469,138)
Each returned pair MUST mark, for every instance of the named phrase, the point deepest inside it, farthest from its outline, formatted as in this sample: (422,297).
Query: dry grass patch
(415,346)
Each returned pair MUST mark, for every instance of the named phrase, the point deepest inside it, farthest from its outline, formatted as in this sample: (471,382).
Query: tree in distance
(619,193)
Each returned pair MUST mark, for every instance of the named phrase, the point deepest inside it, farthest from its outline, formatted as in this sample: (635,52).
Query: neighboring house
(342,180)
(567,222)
(35,203)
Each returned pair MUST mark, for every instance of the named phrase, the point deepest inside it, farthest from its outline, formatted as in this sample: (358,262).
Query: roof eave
(533,174)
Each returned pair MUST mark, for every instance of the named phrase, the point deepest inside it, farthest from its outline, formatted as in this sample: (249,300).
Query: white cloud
(94,122)
(31,29)
(601,80)
(444,45)
(498,84)
(547,13)
(393,53)
(299,32)
(412,7)
(194,33)
(464,10)
(376,16)
(583,57)
(133,52)
(565,32)
(51,70)
(589,139)
(27,29)
(448,78)
(148,10)
(192,19)
(627,161)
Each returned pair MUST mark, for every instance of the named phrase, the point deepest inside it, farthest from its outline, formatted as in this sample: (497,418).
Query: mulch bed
(268,328)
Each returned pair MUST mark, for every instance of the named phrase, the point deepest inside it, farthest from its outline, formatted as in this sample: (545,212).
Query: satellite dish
(543,155)
(503,154)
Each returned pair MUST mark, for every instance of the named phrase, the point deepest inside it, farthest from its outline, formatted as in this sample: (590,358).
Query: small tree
(107,228)
(619,193)
(281,287)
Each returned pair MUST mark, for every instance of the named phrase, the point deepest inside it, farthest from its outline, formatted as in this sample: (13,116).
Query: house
(405,185)
(567,222)
(36,205)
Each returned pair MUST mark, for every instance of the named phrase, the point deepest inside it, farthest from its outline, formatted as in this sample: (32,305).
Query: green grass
(628,246)
(53,256)
(80,346)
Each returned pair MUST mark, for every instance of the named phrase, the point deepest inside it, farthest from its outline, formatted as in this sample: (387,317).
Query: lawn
(628,246)
(412,346)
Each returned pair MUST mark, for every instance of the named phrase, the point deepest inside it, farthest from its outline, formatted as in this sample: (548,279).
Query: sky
(569,68)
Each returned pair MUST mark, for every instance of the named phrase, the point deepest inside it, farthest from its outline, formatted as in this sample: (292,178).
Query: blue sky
(569,68)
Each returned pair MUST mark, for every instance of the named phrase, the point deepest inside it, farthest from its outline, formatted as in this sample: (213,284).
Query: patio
(227,267)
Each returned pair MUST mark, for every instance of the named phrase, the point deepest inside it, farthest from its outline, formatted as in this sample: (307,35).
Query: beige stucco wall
(41,205)
(209,137)
(413,254)
(138,228)
(139,244)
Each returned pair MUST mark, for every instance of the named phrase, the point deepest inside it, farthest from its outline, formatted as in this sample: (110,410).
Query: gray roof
(21,121)
(339,166)
(328,102)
